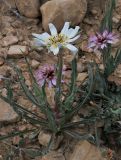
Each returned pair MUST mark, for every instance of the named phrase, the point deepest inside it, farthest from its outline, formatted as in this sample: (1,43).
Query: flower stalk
(58,84)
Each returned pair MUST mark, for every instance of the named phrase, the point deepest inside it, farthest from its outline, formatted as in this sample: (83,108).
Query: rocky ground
(18,20)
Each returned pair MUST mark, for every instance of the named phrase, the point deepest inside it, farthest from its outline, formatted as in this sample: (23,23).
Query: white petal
(72,48)
(74,39)
(38,42)
(54,49)
(53,30)
(73,32)
(65,28)
(43,36)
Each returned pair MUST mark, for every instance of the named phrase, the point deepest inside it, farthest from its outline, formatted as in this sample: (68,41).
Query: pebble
(7,114)
(9,40)
(17,51)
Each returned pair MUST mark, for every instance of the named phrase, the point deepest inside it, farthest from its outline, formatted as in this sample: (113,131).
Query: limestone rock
(81,77)
(9,40)
(7,114)
(53,155)
(58,12)
(29,8)
(35,64)
(86,151)
(44,138)
(17,51)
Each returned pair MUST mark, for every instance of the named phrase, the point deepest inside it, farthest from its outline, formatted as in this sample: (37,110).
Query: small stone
(50,96)
(17,51)
(29,8)
(60,11)
(3,52)
(16,140)
(1,61)
(7,114)
(9,40)
(86,151)
(81,67)
(81,77)
(35,64)
(27,78)
(116,20)
(24,102)
(4,92)
(44,138)
(68,58)
(4,69)
(94,11)
(53,155)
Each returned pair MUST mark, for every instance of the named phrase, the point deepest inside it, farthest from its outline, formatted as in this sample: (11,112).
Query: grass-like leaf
(80,104)
(107,20)
(70,98)
(112,63)
(27,92)
(32,153)
(18,133)
(75,124)
(27,114)
(78,136)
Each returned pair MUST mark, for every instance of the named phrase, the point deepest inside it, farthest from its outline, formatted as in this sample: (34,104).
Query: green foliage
(112,63)
(72,88)
(64,109)
(19,133)
(107,20)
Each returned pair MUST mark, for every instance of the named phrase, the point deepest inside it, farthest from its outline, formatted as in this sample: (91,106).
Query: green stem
(58,85)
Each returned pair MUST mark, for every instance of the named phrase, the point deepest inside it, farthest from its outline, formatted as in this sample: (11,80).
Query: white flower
(56,40)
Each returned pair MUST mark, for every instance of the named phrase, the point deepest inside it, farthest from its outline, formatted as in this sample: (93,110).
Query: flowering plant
(103,41)
(57,118)
(96,89)
(106,94)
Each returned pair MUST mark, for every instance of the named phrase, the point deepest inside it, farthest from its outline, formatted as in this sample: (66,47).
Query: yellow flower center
(56,40)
